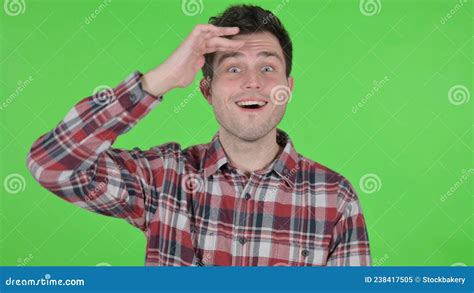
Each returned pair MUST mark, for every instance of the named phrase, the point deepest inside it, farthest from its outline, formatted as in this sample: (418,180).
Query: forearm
(75,160)
(158,81)
(90,128)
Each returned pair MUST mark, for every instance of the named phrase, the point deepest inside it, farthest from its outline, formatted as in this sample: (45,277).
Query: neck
(249,156)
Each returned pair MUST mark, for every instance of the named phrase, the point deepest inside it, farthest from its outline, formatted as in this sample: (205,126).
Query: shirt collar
(286,165)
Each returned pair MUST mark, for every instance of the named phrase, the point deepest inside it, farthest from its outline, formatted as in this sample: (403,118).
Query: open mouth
(251,105)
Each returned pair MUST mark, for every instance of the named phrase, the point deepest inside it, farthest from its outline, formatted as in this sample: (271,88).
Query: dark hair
(251,19)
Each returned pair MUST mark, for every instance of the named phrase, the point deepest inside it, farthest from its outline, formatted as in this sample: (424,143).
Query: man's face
(249,85)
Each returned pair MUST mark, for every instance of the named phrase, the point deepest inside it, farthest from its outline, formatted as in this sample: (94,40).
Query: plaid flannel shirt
(193,206)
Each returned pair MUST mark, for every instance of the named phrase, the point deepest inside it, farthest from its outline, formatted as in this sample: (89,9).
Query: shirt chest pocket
(298,254)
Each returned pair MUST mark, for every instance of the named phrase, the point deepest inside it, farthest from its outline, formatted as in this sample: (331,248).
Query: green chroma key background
(381,95)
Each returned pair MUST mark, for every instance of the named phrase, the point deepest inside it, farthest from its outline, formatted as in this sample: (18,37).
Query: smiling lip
(251,109)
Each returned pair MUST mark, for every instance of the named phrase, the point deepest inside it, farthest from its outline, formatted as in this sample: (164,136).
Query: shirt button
(242,240)
(247,196)
(305,252)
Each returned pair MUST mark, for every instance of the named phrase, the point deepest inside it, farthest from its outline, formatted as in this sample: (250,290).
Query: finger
(218,30)
(218,43)
(208,35)
(227,31)
(219,48)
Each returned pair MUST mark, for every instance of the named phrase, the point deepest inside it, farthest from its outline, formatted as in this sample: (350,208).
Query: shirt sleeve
(75,160)
(350,241)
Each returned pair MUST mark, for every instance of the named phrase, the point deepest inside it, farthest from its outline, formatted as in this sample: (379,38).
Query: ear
(206,90)
(290,82)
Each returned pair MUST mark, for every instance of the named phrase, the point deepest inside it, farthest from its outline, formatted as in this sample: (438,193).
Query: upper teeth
(249,103)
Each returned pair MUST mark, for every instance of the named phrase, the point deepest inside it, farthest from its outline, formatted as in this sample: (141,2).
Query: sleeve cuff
(139,90)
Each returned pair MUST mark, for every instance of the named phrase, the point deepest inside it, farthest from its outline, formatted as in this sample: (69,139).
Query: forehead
(255,43)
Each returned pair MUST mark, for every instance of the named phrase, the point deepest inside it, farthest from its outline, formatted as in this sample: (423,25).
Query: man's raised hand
(180,69)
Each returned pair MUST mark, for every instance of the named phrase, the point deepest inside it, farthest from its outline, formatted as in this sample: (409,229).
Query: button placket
(245,195)
(248,191)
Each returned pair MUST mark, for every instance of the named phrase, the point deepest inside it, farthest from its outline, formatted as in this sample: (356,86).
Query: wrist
(157,81)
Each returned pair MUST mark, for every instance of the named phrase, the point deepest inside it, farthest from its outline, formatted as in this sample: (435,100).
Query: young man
(247,198)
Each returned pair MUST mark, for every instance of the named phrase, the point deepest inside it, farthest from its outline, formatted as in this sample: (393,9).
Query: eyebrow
(239,54)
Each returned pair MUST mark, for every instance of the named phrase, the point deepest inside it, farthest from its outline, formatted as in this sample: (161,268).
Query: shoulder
(169,153)
(321,176)
(167,150)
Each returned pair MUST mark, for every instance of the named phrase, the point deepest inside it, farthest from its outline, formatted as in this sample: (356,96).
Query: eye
(234,69)
(267,68)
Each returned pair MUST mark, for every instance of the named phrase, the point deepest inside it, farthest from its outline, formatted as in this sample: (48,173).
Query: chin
(251,134)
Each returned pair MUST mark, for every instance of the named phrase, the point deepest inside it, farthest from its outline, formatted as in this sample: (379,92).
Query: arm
(350,243)
(75,160)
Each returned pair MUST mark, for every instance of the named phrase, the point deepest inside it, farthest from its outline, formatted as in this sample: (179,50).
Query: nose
(253,81)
